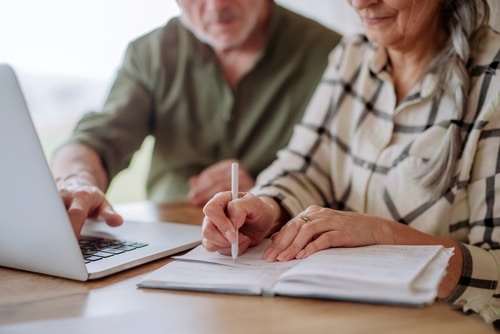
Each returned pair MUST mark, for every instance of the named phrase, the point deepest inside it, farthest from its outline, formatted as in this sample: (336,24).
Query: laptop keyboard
(95,249)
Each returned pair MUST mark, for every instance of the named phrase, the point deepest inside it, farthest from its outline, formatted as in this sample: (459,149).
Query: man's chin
(219,41)
(222,44)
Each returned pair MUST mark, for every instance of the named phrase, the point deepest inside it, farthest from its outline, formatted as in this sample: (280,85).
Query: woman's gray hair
(465,21)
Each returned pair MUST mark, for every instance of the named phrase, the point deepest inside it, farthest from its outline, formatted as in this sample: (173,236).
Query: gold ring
(305,218)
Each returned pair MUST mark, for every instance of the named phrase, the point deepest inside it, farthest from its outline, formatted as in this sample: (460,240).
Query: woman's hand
(255,218)
(319,228)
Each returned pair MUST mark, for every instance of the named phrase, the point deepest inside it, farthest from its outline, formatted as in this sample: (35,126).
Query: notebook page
(423,290)
(201,276)
(206,271)
(252,257)
(384,264)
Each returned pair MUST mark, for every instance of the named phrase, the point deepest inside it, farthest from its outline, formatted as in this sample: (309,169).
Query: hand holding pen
(244,223)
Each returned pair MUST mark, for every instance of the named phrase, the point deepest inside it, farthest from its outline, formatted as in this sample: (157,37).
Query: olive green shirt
(170,86)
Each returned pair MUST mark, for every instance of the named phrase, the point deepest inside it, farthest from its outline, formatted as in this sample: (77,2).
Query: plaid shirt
(357,149)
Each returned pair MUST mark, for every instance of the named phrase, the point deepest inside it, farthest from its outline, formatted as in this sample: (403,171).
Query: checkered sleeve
(478,289)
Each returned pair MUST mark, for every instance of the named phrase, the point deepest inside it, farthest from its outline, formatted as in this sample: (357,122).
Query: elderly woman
(400,145)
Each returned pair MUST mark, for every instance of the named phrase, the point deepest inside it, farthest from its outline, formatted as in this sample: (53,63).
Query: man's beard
(214,42)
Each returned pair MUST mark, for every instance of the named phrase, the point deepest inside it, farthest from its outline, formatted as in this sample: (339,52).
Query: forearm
(77,161)
(396,233)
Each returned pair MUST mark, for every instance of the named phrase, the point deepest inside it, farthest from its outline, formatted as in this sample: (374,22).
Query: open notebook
(35,232)
(386,274)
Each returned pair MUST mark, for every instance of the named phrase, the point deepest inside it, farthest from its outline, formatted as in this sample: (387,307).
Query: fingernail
(270,255)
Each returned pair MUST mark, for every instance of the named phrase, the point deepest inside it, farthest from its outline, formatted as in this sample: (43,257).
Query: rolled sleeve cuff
(477,289)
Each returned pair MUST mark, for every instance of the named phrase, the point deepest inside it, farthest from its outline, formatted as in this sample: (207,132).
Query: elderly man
(224,82)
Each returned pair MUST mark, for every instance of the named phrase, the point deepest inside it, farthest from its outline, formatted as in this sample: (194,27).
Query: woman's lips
(373,20)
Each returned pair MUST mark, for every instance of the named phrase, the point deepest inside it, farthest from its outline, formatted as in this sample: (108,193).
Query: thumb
(110,216)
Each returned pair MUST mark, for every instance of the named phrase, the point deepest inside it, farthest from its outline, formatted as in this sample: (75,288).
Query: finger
(215,175)
(217,178)
(77,215)
(282,239)
(226,250)
(213,238)
(211,247)
(303,238)
(197,196)
(109,215)
(292,238)
(323,241)
(193,180)
(206,187)
(215,211)
(200,198)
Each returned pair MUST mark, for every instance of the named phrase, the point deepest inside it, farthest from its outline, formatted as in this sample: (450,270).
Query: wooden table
(38,303)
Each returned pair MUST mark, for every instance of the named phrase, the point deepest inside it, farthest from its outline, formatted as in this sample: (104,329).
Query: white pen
(234,195)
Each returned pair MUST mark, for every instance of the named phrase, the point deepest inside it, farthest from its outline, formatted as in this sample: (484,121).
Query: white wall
(495,14)
(75,38)
(336,14)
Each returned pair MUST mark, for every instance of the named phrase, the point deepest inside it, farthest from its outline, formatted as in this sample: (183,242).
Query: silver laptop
(35,232)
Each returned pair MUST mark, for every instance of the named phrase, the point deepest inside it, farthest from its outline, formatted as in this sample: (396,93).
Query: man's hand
(216,178)
(83,200)
(81,180)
